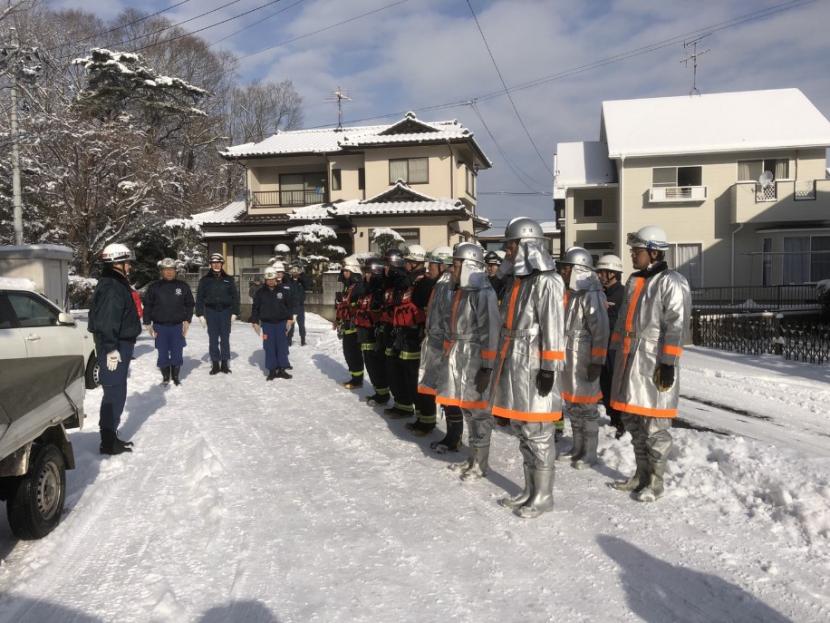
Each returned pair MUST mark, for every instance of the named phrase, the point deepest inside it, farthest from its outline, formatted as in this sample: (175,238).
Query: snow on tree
(387,238)
(315,244)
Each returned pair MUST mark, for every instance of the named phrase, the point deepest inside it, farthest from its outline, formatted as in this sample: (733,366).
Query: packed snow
(248,500)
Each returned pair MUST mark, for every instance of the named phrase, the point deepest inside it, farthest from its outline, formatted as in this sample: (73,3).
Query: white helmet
(610,262)
(278,267)
(351,264)
(270,273)
(440,255)
(217,257)
(415,253)
(282,248)
(116,253)
(167,262)
(650,237)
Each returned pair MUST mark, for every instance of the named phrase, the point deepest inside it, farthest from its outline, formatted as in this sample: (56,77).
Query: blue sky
(421,53)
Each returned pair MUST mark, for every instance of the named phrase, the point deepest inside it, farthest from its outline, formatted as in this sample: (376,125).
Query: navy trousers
(299,320)
(275,345)
(219,333)
(169,343)
(115,387)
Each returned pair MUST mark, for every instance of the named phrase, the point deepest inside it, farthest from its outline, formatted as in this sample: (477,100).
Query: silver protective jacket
(532,339)
(473,337)
(652,326)
(532,255)
(433,365)
(586,336)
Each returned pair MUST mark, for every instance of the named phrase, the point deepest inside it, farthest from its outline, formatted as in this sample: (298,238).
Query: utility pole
(16,192)
(693,58)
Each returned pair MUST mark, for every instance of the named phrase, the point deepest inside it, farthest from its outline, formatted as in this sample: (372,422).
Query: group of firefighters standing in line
(520,339)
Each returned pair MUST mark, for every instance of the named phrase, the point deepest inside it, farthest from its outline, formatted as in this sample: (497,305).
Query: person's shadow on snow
(658,591)
(29,610)
(246,611)
(333,369)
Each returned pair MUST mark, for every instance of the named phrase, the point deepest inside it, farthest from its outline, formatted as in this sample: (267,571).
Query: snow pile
(313,233)
(17,283)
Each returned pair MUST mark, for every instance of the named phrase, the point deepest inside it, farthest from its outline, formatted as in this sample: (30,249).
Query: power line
(257,23)
(325,28)
(507,91)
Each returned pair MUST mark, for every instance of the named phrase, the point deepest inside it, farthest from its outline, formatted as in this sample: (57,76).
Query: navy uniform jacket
(113,315)
(217,291)
(273,305)
(168,302)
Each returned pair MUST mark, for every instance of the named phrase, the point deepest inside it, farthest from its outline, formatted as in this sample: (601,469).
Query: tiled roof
(228,214)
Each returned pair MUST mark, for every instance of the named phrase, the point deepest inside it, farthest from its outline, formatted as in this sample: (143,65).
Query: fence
(766,333)
(756,298)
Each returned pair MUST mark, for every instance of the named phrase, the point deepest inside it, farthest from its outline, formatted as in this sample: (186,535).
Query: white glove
(233,317)
(150,331)
(202,322)
(257,329)
(113,359)
(289,323)
(185,328)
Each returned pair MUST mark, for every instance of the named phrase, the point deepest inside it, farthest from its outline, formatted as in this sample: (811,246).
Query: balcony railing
(670,194)
(782,200)
(285,198)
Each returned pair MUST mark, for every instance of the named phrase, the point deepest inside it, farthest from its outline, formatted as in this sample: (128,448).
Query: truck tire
(91,375)
(34,508)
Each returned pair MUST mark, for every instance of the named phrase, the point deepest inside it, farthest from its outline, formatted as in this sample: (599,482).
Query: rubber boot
(165,375)
(377,399)
(397,413)
(226,369)
(515,501)
(356,382)
(476,466)
(110,444)
(282,374)
(420,428)
(654,487)
(452,440)
(214,368)
(174,374)
(542,500)
(637,481)
(272,374)
(590,441)
(577,447)
(302,341)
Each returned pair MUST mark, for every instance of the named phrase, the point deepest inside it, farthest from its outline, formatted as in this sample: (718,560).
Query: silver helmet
(523,227)
(167,262)
(577,256)
(468,251)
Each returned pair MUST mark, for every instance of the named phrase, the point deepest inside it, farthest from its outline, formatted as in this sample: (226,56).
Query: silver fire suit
(586,340)
(652,326)
(433,367)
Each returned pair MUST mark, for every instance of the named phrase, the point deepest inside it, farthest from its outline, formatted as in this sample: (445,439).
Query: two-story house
(416,177)
(737,180)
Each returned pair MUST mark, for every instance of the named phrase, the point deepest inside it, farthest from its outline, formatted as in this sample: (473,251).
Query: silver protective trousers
(536,443)
(650,437)
(479,427)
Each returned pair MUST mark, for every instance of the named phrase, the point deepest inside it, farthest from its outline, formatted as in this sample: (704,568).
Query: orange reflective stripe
(632,309)
(454,314)
(668,349)
(615,337)
(599,352)
(567,298)
(576,398)
(423,389)
(488,354)
(552,355)
(464,404)
(645,411)
(511,308)
(525,416)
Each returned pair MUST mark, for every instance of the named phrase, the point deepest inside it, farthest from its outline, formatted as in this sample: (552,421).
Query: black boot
(214,368)
(282,374)
(165,375)
(420,428)
(110,444)
(452,440)
(272,374)
(225,367)
(302,341)
(378,399)
(174,374)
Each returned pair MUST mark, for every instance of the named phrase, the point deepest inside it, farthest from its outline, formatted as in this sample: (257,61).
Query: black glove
(594,370)
(482,379)
(544,382)
(664,377)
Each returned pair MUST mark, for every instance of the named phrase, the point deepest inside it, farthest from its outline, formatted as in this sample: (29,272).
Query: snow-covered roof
(408,131)
(713,122)
(17,283)
(227,214)
(582,164)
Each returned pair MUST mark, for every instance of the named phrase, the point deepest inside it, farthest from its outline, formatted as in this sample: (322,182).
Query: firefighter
(397,282)
(431,363)
(531,353)
(651,328)
(586,346)
(345,321)
(470,351)
(609,271)
(369,329)
(217,307)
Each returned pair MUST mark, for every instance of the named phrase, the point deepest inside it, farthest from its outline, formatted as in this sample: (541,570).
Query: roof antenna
(339,96)
(693,57)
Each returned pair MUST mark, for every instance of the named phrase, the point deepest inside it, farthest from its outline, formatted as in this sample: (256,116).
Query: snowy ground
(293,501)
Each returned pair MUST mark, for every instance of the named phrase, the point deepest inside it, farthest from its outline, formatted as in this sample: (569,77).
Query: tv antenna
(693,58)
(339,96)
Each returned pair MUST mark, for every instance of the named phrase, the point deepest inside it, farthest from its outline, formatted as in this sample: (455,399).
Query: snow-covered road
(294,501)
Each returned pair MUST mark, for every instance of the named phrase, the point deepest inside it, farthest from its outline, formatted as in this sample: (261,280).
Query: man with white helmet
(345,316)
(217,305)
(609,271)
(272,315)
(470,352)
(114,321)
(652,327)
(531,353)
(586,346)
(168,311)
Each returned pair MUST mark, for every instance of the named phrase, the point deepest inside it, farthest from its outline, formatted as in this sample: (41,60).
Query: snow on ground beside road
(295,501)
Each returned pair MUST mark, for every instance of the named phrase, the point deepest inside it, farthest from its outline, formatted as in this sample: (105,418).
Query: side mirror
(65,320)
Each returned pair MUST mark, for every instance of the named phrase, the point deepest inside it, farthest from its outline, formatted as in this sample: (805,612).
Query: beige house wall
(377,168)
(433,231)
(578,227)
(349,174)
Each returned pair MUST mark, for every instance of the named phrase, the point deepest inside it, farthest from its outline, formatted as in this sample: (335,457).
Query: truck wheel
(35,506)
(91,374)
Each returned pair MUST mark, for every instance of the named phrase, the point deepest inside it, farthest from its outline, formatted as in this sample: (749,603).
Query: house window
(677,176)
(751,170)
(336,182)
(592,208)
(687,260)
(471,182)
(410,236)
(766,262)
(820,258)
(251,256)
(301,189)
(797,259)
(361,179)
(409,170)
